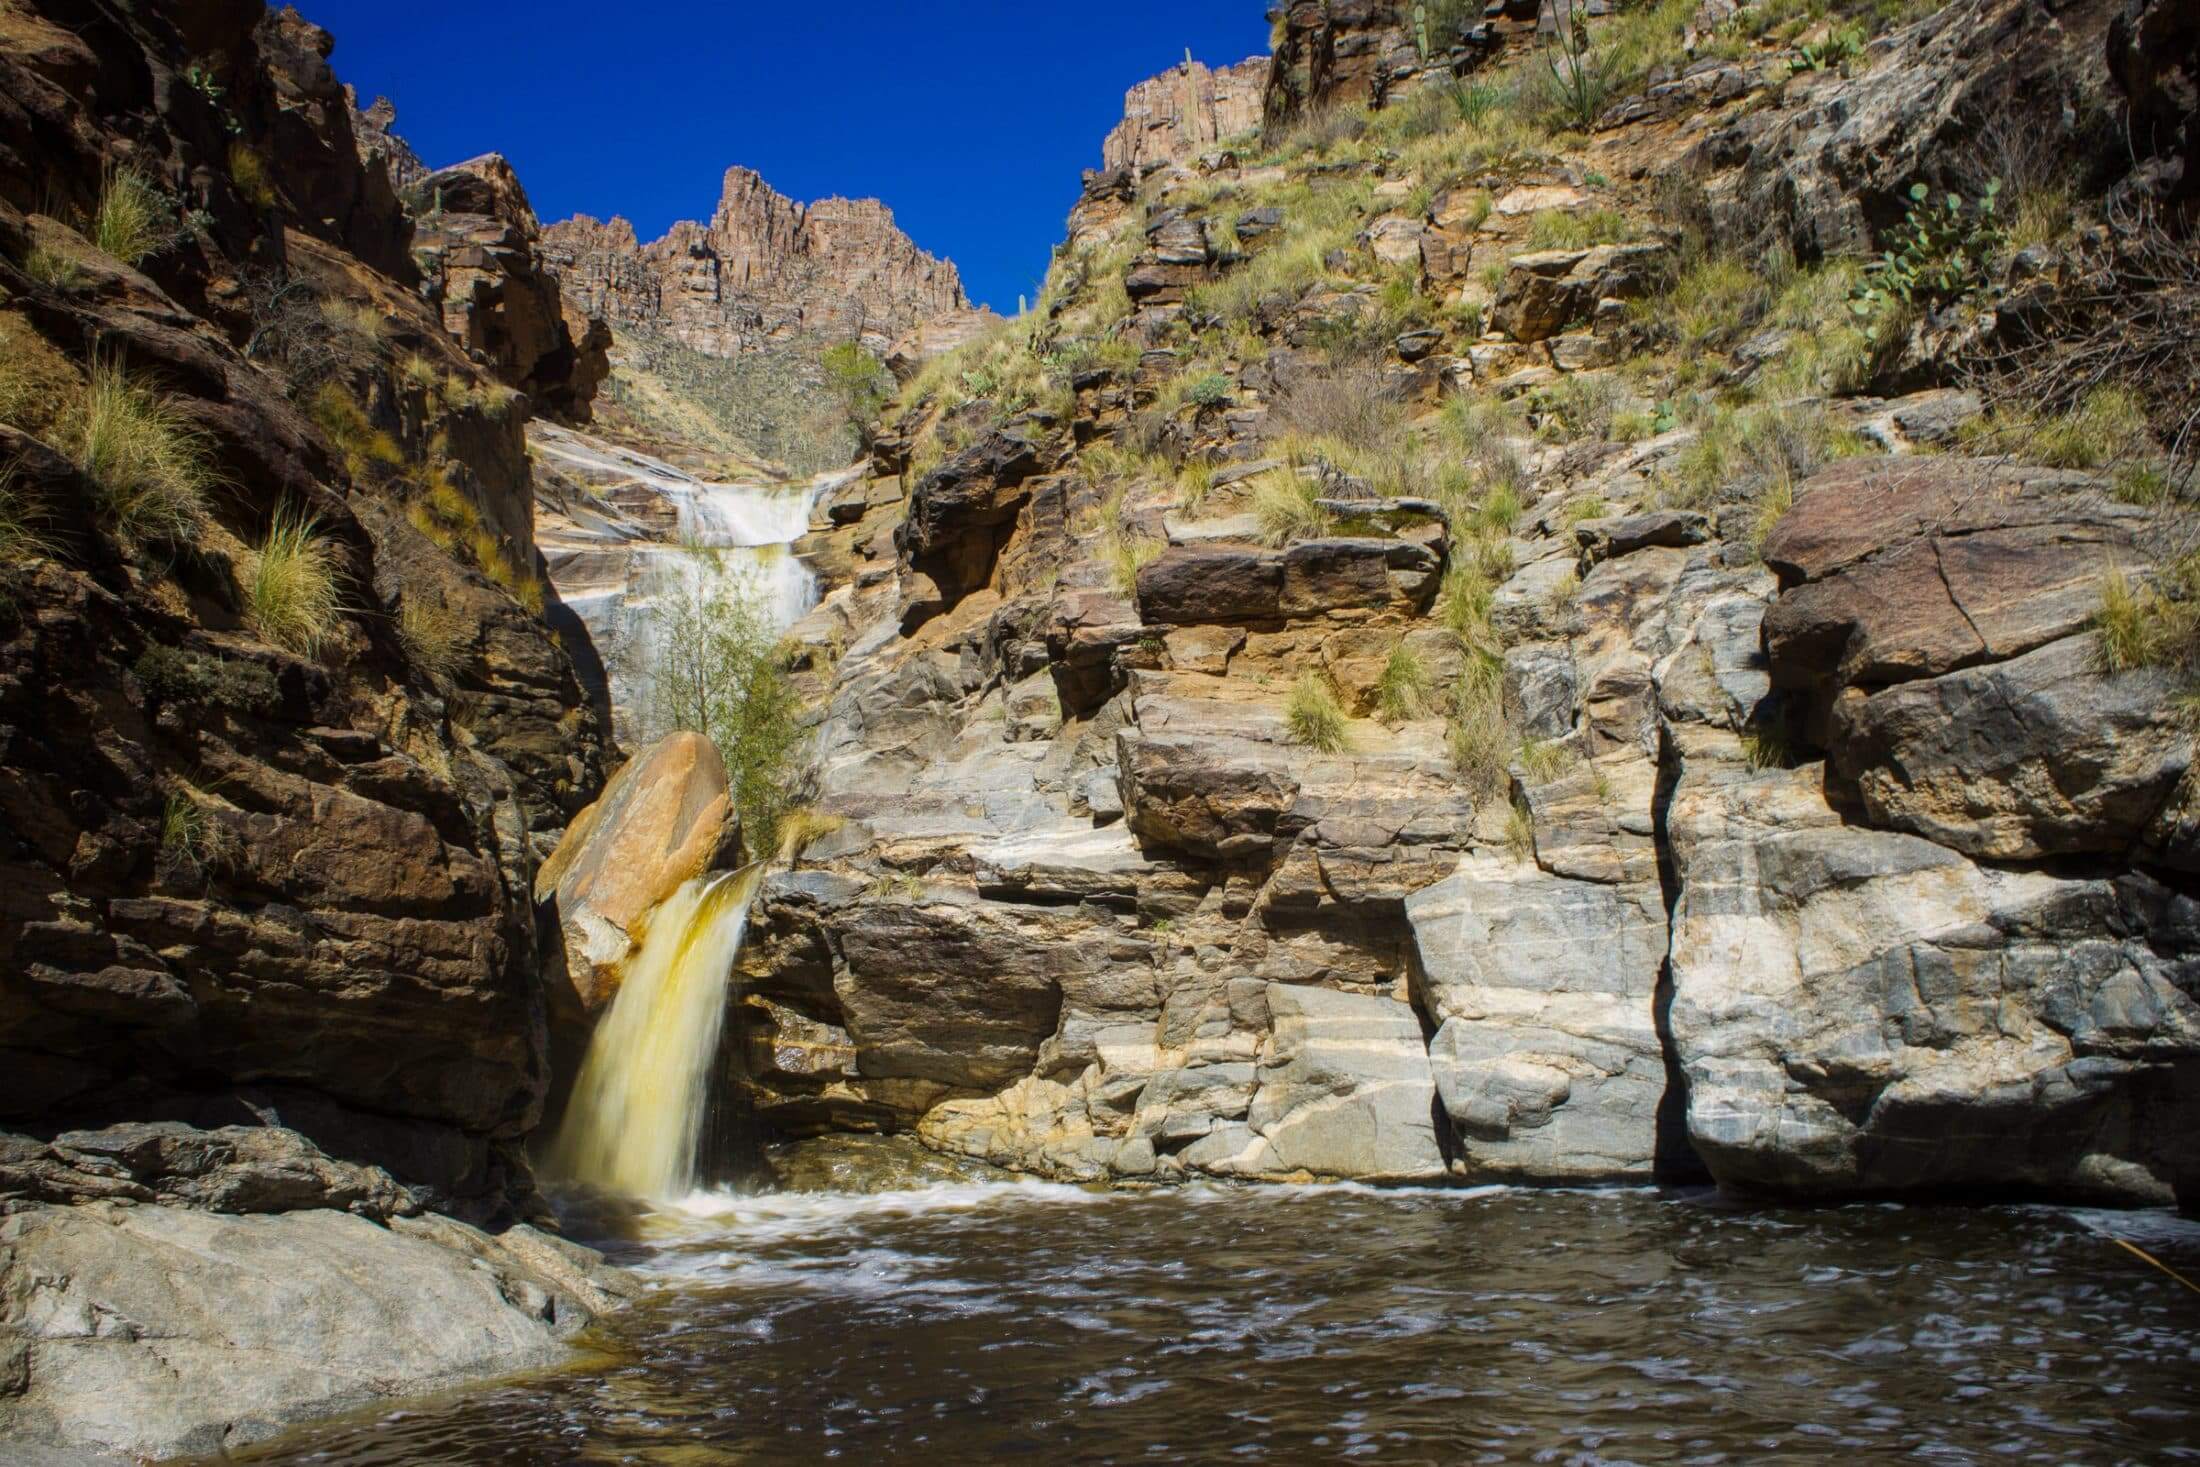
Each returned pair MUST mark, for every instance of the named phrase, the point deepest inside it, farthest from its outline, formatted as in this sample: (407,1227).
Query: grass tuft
(1312,716)
(435,637)
(142,455)
(292,595)
(129,222)
(1405,691)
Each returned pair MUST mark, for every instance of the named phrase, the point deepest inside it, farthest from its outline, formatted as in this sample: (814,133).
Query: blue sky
(971,120)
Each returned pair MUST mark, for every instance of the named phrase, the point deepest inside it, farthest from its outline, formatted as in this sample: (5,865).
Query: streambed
(954,1319)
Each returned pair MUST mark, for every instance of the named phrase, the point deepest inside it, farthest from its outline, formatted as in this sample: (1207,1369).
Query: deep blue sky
(972,120)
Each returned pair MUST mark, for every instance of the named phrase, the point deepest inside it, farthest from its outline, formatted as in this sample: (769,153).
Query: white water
(636,1113)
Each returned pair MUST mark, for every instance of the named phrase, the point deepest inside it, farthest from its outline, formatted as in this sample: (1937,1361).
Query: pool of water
(956,1320)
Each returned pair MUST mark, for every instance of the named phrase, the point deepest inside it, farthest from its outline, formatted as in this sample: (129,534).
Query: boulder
(1189,585)
(151,1331)
(2042,755)
(1547,290)
(1546,1057)
(237,1169)
(666,818)
(1343,1091)
(1902,568)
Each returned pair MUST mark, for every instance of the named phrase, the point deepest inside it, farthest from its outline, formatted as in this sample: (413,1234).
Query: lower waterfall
(635,1119)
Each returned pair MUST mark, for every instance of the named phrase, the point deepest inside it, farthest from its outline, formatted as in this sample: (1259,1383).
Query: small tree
(715,668)
(860,382)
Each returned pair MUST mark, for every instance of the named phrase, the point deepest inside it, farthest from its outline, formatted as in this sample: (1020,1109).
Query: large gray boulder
(135,1331)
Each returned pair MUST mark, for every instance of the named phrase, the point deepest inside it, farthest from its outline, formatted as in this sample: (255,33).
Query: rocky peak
(765,270)
(1184,110)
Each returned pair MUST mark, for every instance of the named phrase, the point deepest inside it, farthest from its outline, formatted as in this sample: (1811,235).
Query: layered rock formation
(1185,111)
(267,943)
(764,271)
(1475,799)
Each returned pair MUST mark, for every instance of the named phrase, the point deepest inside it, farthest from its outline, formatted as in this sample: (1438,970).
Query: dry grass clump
(364,448)
(192,837)
(1481,735)
(48,266)
(434,635)
(22,537)
(130,220)
(2150,626)
(1405,691)
(248,171)
(1313,717)
(2108,425)
(1286,503)
(292,585)
(143,456)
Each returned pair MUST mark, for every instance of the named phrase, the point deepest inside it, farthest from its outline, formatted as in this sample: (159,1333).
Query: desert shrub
(1350,404)
(1520,831)
(292,585)
(1287,506)
(2106,426)
(434,635)
(191,836)
(1481,735)
(22,536)
(363,321)
(1312,716)
(1578,78)
(148,464)
(1579,406)
(716,670)
(1544,760)
(1938,255)
(1560,229)
(130,220)
(49,266)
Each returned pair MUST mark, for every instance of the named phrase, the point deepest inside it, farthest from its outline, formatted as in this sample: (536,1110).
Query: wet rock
(665,818)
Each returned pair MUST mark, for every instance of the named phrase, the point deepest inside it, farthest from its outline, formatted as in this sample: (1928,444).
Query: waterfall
(636,1115)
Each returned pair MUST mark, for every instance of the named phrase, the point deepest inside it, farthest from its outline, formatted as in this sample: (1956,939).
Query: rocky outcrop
(764,270)
(1185,111)
(477,241)
(1316,816)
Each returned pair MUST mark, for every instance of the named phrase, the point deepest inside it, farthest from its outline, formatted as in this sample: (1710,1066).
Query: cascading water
(636,1115)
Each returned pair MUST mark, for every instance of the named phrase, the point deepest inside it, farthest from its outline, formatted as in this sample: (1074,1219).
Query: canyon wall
(1184,111)
(1391,693)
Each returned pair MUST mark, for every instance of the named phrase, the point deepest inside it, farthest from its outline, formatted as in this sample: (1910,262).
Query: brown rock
(1184,110)
(664,819)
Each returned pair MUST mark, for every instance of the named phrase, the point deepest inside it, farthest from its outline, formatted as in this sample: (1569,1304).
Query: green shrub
(717,670)
(1579,78)
(147,463)
(1312,717)
(1211,390)
(291,585)
(130,220)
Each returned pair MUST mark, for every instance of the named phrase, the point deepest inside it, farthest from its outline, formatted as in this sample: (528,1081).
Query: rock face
(663,820)
(1211,809)
(1185,111)
(764,270)
(477,240)
(270,1005)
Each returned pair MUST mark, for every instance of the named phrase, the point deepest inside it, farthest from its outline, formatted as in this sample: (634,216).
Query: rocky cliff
(1184,111)
(763,271)
(1472,642)
(285,729)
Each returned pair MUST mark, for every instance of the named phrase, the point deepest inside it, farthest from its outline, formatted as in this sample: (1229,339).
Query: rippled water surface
(961,1322)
